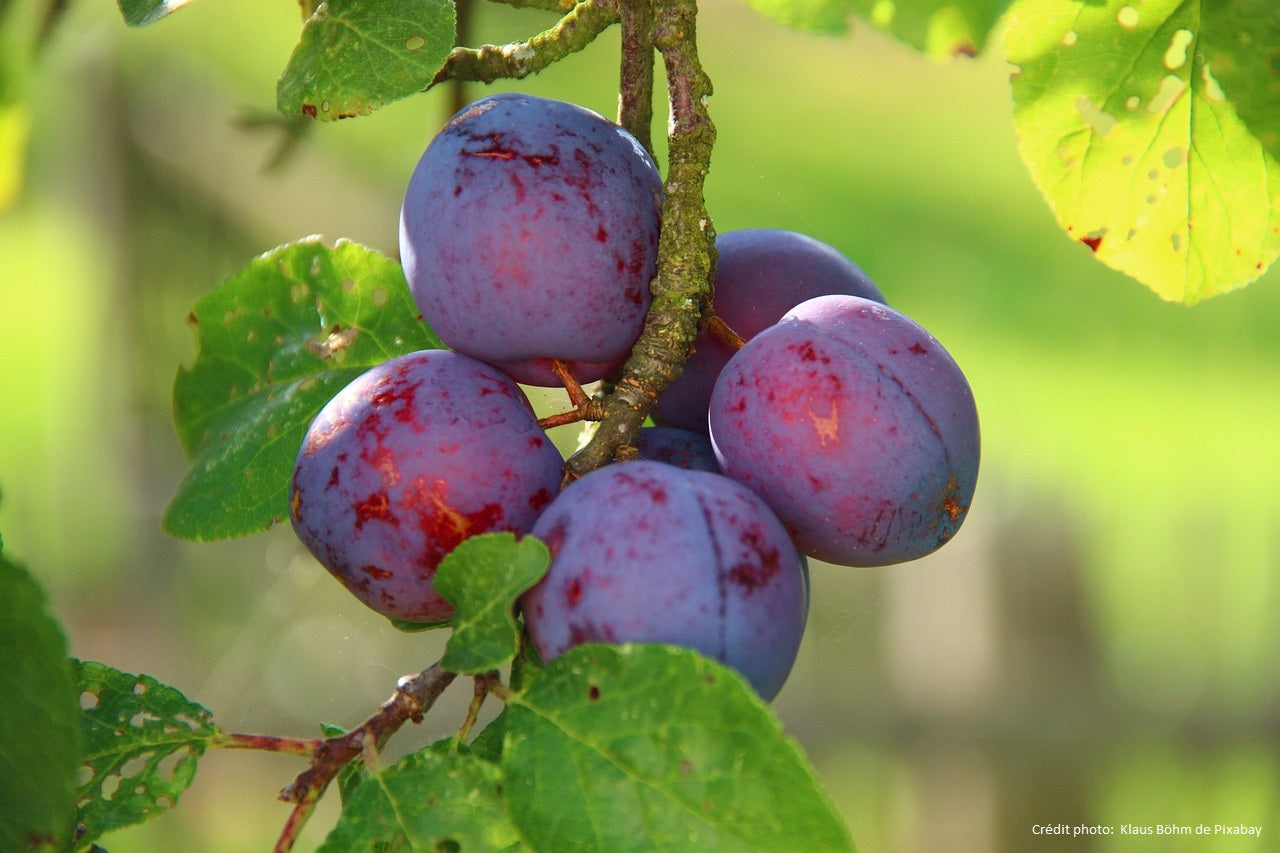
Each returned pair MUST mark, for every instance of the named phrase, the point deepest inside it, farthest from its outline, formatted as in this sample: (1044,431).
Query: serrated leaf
(640,747)
(430,800)
(356,55)
(1151,128)
(138,13)
(276,341)
(482,578)
(940,28)
(140,743)
(39,719)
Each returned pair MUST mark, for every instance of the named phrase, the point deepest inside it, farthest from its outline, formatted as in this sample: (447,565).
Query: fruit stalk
(682,287)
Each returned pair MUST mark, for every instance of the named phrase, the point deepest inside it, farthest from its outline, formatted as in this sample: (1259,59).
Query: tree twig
(686,248)
(489,62)
(414,696)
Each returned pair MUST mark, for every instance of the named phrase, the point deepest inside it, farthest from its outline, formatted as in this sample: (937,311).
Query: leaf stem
(269,743)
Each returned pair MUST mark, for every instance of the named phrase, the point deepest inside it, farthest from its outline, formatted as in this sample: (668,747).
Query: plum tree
(855,426)
(528,232)
(761,274)
(413,457)
(648,552)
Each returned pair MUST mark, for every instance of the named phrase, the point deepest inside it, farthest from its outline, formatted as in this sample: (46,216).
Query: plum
(409,459)
(643,551)
(529,231)
(856,426)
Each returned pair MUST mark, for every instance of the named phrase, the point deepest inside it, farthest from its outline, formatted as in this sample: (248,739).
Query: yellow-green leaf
(1151,127)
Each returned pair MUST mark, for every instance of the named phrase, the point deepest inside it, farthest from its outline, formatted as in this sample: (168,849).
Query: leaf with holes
(356,55)
(140,742)
(482,578)
(39,732)
(276,341)
(433,799)
(940,28)
(138,13)
(1153,129)
(649,746)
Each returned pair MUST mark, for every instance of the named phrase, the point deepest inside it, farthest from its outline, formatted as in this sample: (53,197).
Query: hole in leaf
(1174,157)
(1097,118)
(1176,56)
(134,766)
(109,786)
(1171,88)
(1212,90)
(88,700)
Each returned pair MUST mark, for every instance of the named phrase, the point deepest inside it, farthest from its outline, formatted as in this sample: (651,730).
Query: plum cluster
(811,419)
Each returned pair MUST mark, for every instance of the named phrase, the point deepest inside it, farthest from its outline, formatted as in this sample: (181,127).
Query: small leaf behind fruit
(655,747)
(356,55)
(39,730)
(140,742)
(276,341)
(430,800)
(482,578)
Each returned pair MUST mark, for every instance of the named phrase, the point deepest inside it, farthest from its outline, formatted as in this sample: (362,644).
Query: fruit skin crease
(856,426)
(413,457)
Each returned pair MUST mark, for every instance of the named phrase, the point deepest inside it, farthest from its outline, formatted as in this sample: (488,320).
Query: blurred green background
(1098,645)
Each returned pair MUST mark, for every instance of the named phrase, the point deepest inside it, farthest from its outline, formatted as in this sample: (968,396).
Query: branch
(414,696)
(489,62)
(635,85)
(682,287)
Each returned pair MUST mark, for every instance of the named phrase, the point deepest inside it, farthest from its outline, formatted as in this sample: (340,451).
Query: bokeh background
(1099,644)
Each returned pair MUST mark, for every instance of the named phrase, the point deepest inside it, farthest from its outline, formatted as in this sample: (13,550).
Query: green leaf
(356,55)
(482,578)
(940,28)
(139,13)
(39,716)
(639,747)
(1152,130)
(276,341)
(430,800)
(140,742)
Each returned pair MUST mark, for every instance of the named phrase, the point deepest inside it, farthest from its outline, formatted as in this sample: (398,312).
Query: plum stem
(681,288)
(584,407)
(721,330)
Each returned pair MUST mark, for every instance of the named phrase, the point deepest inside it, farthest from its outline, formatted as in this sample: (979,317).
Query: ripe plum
(855,426)
(411,458)
(643,551)
(529,231)
(761,274)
